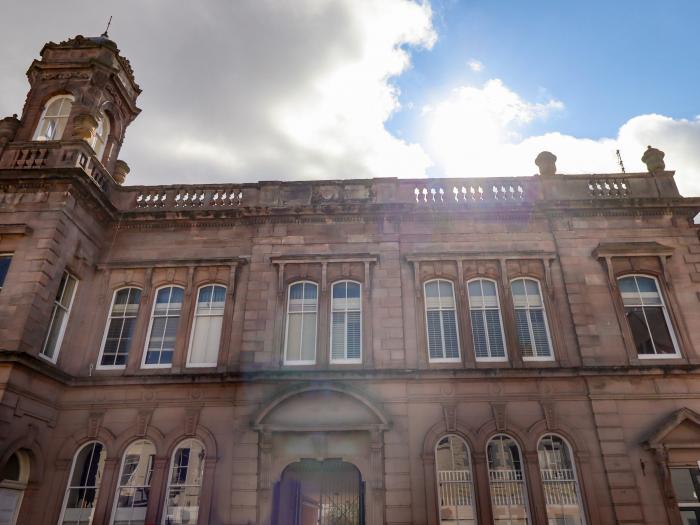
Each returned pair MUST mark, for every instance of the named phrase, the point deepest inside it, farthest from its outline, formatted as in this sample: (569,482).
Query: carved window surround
(324,304)
(607,253)
(507,309)
(185,325)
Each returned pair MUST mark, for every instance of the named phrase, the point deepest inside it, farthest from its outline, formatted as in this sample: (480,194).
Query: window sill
(155,367)
(491,359)
(48,359)
(299,363)
(110,367)
(445,360)
(652,357)
(538,359)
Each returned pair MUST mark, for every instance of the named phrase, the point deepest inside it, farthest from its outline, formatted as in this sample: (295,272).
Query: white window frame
(345,360)
(169,474)
(469,482)
(529,322)
(99,365)
(2,256)
(574,472)
(523,470)
(150,327)
(121,473)
(98,488)
(664,309)
(62,331)
(457,359)
(194,323)
(18,486)
(47,104)
(286,328)
(98,142)
(500,316)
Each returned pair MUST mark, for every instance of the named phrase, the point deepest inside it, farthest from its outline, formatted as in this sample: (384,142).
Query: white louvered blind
(346,322)
(530,318)
(441,320)
(487,326)
(302,312)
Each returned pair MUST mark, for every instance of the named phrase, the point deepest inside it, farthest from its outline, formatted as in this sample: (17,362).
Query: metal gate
(329,492)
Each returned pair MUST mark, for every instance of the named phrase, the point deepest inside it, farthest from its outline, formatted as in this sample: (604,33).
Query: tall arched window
(54,118)
(163,327)
(134,484)
(302,312)
(120,328)
(99,139)
(531,320)
(14,477)
(441,321)
(559,480)
(346,323)
(455,482)
(184,484)
(83,485)
(647,317)
(507,482)
(207,325)
(487,326)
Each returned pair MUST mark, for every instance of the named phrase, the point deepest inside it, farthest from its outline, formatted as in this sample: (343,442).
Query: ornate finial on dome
(546,162)
(654,159)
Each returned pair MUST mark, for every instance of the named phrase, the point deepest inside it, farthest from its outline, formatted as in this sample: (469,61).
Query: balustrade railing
(489,190)
(507,487)
(189,198)
(455,487)
(608,188)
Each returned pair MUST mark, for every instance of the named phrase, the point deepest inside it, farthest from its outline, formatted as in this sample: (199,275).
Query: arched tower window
(99,139)
(13,480)
(559,481)
(455,482)
(83,485)
(54,118)
(507,482)
(133,488)
(184,483)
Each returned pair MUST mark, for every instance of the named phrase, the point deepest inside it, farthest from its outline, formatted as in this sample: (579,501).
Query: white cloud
(479,132)
(475,65)
(248,90)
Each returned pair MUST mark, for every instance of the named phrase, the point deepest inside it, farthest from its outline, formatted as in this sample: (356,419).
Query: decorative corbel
(449,412)
(94,423)
(192,420)
(143,419)
(550,415)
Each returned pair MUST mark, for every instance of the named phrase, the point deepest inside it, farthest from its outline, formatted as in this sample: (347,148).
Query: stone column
(156,496)
(105,495)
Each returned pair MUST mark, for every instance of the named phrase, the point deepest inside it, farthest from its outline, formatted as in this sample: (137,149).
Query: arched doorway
(14,477)
(311,492)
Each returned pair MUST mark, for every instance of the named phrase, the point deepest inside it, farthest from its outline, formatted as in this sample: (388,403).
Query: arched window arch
(441,321)
(559,480)
(101,135)
(162,330)
(487,324)
(302,314)
(116,341)
(346,322)
(455,481)
(134,483)
(54,118)
(83,484)
(647,316)
(13,481)
(206,326)
(184,483)
(507,482)
(534,339)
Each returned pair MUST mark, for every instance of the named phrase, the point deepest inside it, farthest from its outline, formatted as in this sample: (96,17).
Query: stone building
(443,351)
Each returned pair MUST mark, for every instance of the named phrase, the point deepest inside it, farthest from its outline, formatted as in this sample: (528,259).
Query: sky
(249,90)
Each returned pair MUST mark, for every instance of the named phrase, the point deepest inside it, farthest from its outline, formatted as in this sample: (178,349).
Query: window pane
(431,289)
(434,335)
(294,336)
(479,334)
(523,328)
(454,476)
(5,261)
(134,484)
(686,484)
(493,322)
(308,338)
(353,290)
(354,340)
(185,481)
(559,481)
(300,344)
(58,319)
(449,324)
(338,335)
(659,330)
(640,332)
(81,493)
(206,337)
(506,482)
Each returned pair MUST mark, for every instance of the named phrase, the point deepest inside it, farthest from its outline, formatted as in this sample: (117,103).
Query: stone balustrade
(37,155)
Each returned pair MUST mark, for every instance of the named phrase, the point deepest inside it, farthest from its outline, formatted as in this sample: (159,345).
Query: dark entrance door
(329,492)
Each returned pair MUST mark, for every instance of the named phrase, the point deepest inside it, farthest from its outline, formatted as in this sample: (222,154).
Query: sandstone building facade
(444,351)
